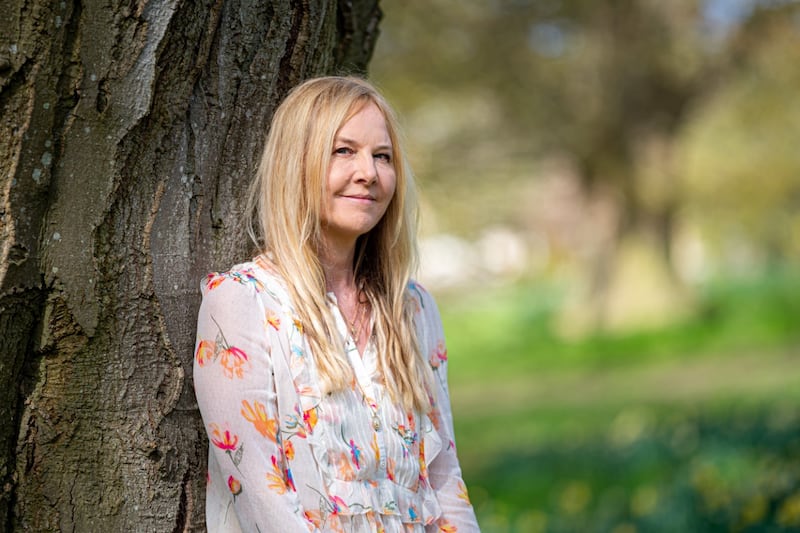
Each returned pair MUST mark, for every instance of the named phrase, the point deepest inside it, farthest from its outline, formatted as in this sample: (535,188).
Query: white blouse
(282,456)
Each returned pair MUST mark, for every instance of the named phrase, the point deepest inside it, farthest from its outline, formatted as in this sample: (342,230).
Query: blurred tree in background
(668,116)
(612,221)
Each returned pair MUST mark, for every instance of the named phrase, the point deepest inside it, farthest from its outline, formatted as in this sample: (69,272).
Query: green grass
(514,325)
(684,472)
(695,427)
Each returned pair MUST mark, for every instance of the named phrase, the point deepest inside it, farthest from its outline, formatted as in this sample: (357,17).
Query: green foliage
(731,315)
(686,103)
(690,428)
(732,471)
(740,164)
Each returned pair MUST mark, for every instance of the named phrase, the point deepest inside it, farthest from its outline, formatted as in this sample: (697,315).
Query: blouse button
(376,422)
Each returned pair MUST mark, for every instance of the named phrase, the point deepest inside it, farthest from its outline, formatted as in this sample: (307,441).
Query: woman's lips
(360,197)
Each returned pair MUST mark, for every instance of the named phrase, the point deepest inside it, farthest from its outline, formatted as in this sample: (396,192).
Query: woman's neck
(337,265)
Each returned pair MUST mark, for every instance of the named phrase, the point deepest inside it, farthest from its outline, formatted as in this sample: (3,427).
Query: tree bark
(128,134)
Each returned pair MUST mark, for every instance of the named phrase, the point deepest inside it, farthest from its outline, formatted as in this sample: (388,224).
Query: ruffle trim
(353,498)
(386,498)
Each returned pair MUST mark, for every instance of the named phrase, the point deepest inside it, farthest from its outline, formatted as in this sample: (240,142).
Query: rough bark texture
(128,133)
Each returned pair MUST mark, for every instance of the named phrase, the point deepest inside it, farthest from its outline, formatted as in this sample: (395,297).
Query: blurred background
(611,225)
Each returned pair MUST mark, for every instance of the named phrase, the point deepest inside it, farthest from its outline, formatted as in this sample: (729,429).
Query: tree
(740,166)
(128,134)
(609,86)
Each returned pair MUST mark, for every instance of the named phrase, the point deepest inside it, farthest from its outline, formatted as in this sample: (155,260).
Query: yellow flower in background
(789,511)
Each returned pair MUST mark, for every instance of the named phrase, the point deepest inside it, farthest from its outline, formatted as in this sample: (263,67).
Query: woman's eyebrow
(345,140)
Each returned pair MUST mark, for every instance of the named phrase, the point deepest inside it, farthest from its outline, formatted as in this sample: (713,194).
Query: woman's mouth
(360,197)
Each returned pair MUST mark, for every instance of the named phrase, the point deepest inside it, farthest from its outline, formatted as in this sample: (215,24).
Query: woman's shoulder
(418,292)
(256,275)
(424,303)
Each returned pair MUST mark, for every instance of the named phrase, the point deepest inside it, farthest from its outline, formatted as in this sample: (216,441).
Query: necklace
(357,323)
(372,405)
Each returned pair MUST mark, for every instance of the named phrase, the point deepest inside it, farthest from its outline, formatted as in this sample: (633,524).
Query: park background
(611,224)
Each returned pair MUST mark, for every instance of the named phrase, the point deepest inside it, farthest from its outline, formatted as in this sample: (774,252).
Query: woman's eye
(344,150)
(385,157)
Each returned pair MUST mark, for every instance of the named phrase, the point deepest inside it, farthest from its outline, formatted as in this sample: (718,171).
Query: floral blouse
(283,457)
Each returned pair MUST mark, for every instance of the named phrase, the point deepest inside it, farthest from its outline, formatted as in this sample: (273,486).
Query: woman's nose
(367,169)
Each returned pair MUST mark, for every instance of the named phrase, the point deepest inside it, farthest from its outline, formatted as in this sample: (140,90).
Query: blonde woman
(320,366)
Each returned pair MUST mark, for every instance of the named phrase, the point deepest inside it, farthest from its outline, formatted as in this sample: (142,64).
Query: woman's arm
(234,384)
(444,471)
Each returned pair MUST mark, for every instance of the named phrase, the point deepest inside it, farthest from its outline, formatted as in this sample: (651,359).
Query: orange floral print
(374,445)
(390,464)
(437,358)
(235,486)
(446,527)
(206,351)
(314,518)
(408,435)
(229,442)
(276,480)
(273,320)
(345,467)
(373,522)
(423,467)
(275,437)
(337,505)
(435,417)
(441,352)
(213,280)
(224,440)
(334,524)
(289,479)
(233,361)
(293,425)
(257,415)
(310,418)
(288,450)
(244,277)
(462,492)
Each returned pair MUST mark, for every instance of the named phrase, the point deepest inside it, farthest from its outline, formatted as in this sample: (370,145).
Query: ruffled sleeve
(250,482)
(444,470)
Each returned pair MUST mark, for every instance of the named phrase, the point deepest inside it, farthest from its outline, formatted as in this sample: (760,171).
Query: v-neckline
(341,325)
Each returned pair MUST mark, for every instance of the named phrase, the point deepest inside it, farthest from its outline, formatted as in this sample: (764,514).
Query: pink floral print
(284,456)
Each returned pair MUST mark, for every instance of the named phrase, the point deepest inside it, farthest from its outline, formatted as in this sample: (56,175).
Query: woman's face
(361,179)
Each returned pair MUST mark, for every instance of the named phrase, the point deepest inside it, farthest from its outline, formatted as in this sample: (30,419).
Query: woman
(320,366)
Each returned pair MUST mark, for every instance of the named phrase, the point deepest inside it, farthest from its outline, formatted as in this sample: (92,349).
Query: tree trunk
(128,134)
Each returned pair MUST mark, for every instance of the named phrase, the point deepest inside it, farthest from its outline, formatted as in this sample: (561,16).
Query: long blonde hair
(287,201)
